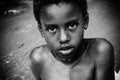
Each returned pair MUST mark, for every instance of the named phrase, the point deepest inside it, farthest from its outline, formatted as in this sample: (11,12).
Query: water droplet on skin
(7,62)
(11,54)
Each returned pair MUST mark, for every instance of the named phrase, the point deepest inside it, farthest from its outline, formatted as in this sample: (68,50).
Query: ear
(86,21)
(40,29)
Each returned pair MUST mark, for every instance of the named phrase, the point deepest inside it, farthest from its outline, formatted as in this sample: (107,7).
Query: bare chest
(83,71)
(55,72)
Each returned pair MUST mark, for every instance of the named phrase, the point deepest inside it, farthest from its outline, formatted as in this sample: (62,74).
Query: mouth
(65,50)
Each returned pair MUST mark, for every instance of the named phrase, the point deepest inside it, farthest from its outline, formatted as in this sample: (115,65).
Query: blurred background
(19,34)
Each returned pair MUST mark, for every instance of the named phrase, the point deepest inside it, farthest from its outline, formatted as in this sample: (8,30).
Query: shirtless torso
(90,66)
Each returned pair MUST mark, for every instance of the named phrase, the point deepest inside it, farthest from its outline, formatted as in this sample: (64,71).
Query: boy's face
(62,27)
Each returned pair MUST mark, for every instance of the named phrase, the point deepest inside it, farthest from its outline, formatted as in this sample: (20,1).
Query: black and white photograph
(59,40)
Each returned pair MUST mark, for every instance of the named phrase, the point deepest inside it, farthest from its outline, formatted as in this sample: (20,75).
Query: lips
(65,50)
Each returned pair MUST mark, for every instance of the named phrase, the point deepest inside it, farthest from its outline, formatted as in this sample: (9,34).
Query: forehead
(60,11)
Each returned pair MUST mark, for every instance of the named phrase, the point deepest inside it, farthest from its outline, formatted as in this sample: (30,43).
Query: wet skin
(63,29)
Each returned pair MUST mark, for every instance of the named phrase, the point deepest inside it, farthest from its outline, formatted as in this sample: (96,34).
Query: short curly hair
(39,4)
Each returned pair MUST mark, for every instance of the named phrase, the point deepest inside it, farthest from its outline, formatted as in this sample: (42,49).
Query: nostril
(65,41)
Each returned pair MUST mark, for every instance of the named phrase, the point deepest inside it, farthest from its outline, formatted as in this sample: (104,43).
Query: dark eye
(52,28)
(72,25)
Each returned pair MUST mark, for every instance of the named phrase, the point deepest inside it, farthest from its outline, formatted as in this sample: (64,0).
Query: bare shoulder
(37,60)
(104,59)
(104,46)
(104,49)
(36,54)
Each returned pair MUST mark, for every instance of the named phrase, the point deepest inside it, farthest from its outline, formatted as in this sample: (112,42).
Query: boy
(67,56)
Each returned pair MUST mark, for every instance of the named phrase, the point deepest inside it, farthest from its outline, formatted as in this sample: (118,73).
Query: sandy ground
(19,35)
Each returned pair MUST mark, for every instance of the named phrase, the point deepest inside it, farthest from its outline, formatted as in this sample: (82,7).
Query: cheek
(77,36)
(51,40)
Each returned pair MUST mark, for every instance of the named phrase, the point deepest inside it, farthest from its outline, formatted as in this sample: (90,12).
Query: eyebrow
(71,21)
(46,25)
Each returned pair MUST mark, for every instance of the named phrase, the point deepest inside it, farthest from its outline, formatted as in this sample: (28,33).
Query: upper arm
(35,63)
(105,61)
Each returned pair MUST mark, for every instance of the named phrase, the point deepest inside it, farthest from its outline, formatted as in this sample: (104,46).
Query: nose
(64,38)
